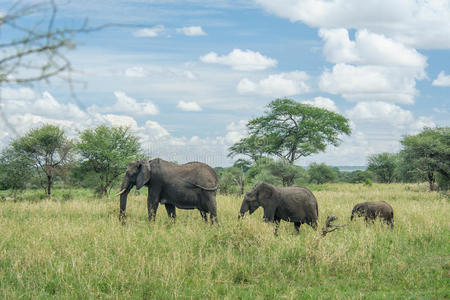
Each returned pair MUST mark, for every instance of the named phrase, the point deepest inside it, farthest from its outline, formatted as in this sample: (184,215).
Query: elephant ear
(144,174)
(265,193)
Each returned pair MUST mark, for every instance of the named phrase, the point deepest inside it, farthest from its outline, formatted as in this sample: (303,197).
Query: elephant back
(200,174)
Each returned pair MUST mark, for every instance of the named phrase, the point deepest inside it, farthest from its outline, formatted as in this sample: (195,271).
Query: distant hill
(351,168)
(345,168)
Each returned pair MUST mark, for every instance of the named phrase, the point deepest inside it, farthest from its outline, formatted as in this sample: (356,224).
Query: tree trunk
(431,181)
(49,185)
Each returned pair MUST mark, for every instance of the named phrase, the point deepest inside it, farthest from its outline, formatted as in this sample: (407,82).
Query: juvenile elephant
(188,186)
(292,204)
(373,210)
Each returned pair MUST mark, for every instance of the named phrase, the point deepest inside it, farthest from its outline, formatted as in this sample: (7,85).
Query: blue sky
(186,76)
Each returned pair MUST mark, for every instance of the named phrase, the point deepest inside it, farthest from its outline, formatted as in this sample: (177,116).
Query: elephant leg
(152,204)
(204,216)
(297,226)
(313,224)
(276,222)
(152,208)
(212,207)
(171,212)
(269,214)
(390,223)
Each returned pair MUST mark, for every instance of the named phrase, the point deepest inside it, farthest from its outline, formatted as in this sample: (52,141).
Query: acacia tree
(321,173)
(48,148)
(285,171)
(15,169)
(107,152)
(384,166)
(291,130)
(429,153)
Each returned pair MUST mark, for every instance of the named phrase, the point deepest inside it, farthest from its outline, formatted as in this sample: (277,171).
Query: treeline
(424,157)
(244,174)
(98,158)
(45,156)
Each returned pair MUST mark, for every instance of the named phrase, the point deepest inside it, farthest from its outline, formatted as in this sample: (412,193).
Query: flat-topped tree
(291,130)
(48,149)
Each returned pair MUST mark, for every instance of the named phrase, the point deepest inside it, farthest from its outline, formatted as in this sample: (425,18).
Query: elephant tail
(317,210)
(206,188)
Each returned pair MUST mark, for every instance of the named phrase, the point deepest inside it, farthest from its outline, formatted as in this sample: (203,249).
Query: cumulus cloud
(241,60)
(442,80)
(151,32)
(17,94)
(24,113)
(277,85)
(371,67)
(128,105)
(420,24)
(120,121)
(362,83)
(189,106)
(322,102)
(191,31)
(369,49)
(236,131)
(388,113)
(155,130)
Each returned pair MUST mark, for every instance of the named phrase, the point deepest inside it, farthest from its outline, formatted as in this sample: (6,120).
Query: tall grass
(78,249)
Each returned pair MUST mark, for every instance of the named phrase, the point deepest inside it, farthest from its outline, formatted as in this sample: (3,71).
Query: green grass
(76,248)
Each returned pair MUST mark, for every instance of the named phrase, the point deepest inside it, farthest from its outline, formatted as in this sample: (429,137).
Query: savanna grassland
(76,248)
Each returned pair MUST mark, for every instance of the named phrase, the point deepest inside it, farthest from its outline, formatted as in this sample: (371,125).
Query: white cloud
(277,85)
(128,105)
(322,102)
(121,121)
(241,60)
(368,49)
(154,130)
(136,72)
(387,113)
(192,31)
(372,67)
(420,24)
(367,83)
(236,131)
(189,106)
(154,31)
(17,94)
(22,115)
(442,80)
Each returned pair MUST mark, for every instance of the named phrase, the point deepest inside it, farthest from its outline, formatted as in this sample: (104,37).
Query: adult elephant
(292,204)
(188,186)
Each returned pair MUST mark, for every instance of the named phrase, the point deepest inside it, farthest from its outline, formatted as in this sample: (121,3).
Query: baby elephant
(373,210)
(292,204)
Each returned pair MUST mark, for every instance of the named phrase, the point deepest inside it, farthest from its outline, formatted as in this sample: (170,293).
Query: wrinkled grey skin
(292,204)
(372,210)
(189,186)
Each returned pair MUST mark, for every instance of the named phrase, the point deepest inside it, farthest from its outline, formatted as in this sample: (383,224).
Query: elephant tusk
(121,192)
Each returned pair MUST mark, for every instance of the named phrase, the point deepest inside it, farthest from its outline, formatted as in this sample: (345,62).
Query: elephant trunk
(244,208)
(124,190)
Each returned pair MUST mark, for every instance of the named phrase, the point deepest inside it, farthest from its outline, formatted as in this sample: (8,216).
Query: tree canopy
(107,151)
(291,130)
(48,148)
(429,153)
(15,169)
(384,166)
